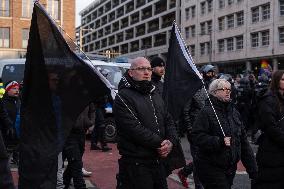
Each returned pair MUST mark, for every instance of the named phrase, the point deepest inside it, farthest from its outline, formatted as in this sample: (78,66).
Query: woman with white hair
(217,155)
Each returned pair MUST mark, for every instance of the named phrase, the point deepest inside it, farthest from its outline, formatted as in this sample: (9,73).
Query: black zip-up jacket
(142,122)
(208,136)
(156,81)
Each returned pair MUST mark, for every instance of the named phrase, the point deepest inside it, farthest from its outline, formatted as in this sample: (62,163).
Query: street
(104,167)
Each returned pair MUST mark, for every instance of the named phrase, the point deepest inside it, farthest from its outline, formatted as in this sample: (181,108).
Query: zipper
(156,118)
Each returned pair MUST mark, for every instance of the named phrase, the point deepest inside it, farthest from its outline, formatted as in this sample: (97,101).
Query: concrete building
(242,33)
(15,20)
(129,27)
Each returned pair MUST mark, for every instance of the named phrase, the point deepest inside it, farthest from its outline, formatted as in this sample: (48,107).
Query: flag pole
(201,81)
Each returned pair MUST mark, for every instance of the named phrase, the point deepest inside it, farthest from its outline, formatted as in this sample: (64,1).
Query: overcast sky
(81,4)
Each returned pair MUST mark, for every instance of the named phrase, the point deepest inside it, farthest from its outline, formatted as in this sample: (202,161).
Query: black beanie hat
(157,61)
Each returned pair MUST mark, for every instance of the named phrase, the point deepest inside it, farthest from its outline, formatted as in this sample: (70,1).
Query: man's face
(141,71)
(159,70)
(14,92)
(53,81)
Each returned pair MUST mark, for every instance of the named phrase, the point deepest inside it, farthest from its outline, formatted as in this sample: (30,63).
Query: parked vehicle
(12,69)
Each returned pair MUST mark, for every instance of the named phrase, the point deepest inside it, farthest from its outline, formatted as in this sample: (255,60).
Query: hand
(165,149)
(90,129)
(227,141)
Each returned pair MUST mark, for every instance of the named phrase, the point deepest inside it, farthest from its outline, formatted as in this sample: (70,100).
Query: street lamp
(81,35)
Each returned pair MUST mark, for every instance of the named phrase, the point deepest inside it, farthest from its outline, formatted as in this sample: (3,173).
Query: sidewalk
(104,167)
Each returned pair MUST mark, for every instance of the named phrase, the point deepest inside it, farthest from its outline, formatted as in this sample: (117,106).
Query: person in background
(270,154)
(158,72)
(217,155)
(12,104)
(2,90)
(208,73)
(6,180)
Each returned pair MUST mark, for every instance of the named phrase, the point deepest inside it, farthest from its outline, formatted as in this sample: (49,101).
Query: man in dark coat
(158,66)
(6,180)
(146,133)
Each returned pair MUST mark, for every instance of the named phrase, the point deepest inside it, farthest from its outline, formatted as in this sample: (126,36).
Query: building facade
(129,27)
(234,34)
(15,20)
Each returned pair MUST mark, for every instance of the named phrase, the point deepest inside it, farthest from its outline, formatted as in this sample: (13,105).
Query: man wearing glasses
(146,133)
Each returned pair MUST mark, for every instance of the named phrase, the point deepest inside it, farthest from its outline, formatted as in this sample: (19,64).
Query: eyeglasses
(143,69)
(224,89)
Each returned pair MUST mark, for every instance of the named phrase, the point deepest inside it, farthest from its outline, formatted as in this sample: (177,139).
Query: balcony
(129,8)
(134,48)
(107,7)
(153,28)
(124,24)
(111,16)
(114,29)
(140,3)
(129,36)
(124,50)
(120,13)
(111,42)
(146,15)
(146,46)
(172,4)
(167,24)
(119,39)
(104,45)
(134,20)
(100,34)
(160,43)
(115,3)
(140,32)
(104,21)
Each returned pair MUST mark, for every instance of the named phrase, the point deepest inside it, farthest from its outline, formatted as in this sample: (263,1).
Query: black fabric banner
(57,87)
(182,79)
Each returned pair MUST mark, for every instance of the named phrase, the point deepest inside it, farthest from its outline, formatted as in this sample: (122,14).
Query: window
(202,28)
(240,18)
(254,14)
(192,50)
(230,2)
(25,38)
(281,7)
(266,12)
(210,5)
(192,11)
(187,33)
(53,8)
(192,31)
(240,42)
(221,45)
(202,8)
(5,8)
(187,14)
(202,48)
(265,38)
(208,48)
(281,35)
(27,8)
(254,40)
(209,27)
(230,44)
(5,37)
(230,21)
(221,23)
(221,4)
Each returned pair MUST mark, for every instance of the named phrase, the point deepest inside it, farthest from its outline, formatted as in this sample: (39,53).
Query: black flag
(57,87)
(182,78)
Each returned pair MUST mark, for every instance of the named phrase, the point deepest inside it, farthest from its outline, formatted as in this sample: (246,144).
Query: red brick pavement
(104,167)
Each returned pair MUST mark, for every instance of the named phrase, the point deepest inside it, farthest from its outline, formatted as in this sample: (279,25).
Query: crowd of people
(216,121)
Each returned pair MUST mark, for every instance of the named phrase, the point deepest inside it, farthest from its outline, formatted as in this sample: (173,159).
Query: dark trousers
(73,152)
(137,174)
(212,177)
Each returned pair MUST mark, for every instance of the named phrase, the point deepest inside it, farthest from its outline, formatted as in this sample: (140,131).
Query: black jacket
(6,127)
(208,136)
(192,109)
(270,156)
(156,81)
(142,121)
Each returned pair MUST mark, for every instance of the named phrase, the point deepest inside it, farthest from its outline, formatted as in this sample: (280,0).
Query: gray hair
(136,61)
(217,84)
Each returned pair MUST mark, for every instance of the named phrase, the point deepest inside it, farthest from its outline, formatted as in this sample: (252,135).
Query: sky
(80,5)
